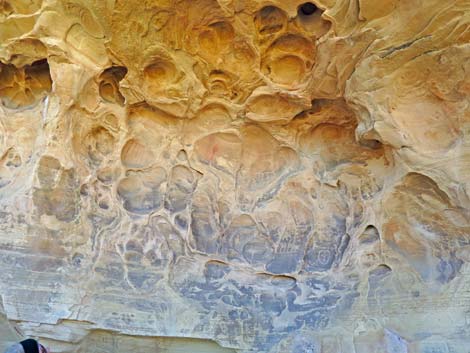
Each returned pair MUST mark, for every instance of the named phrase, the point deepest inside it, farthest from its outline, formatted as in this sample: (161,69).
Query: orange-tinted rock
(235,176)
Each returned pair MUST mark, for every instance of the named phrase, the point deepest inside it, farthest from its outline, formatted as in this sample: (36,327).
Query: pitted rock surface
(235,175)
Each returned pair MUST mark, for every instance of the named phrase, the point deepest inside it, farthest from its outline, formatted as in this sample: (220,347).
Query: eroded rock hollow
(235,176)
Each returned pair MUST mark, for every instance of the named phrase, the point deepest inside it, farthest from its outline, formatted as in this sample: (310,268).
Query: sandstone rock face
(235,175)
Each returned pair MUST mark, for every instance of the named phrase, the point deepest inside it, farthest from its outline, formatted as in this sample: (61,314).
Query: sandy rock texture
(235,175)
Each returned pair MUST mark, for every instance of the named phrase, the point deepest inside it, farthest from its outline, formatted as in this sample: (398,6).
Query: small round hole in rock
(307,9)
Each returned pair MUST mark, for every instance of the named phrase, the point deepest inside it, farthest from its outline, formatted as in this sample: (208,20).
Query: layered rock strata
(235,176)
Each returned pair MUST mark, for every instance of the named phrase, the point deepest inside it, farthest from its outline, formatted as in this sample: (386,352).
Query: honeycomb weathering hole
(270,20)
(160,73)
(307,9)
(109,84)
(310,17)
(25,86)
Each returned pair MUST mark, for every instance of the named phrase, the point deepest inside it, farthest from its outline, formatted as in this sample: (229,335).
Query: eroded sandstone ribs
(277,177)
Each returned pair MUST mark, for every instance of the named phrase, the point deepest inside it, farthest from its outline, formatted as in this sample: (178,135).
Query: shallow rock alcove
(235,176)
